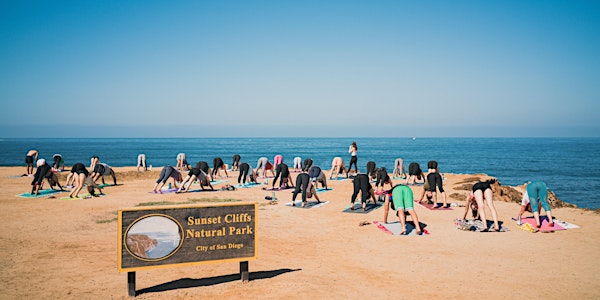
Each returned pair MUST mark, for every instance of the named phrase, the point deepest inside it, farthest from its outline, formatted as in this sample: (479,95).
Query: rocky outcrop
(140,243)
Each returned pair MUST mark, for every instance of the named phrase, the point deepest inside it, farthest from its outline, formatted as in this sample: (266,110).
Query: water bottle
(170,185)
(274,197)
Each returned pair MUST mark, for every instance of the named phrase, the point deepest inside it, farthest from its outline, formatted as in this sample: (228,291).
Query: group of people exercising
(399,197)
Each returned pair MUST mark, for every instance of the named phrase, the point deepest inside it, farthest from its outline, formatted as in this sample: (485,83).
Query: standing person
(166,173)
(382,179)
(181,161)
(361,184)
(141,162)
(245,170)
(304,184)
(78,173)
(399,168)
(308,162)
(235,164)
(480,191)
(353,158)
(193,174)
(371,169)
(317,175)
(101,170)
(30,158)
(337,167)
(283,171)
(297,164)
(218,166)
(401,201)
(435,183)
(537,192)
(58,164)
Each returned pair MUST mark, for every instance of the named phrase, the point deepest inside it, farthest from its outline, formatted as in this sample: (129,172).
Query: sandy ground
(58,249)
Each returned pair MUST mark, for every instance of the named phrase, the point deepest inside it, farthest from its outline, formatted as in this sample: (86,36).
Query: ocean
(569,166)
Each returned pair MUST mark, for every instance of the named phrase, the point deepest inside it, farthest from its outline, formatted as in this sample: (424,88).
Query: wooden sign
(177,236)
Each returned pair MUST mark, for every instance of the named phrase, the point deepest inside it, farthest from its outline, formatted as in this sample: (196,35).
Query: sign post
(159,237)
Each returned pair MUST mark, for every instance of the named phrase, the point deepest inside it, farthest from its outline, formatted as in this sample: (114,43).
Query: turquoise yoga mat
(43,193)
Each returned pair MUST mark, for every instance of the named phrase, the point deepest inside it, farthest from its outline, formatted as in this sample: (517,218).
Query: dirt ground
(61,249)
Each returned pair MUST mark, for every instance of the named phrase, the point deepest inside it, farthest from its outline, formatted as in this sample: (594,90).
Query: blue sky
(299,68)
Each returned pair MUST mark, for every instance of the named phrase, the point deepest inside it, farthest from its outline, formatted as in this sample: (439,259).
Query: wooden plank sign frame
(166,236)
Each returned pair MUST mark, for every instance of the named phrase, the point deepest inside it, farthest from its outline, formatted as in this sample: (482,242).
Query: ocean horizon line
(303,137)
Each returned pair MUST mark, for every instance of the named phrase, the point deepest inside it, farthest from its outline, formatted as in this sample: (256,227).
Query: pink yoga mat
(545,226)
(394,228)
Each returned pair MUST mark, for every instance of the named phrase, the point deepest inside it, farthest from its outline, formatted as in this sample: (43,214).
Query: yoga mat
(217,181)
(309,204)
(395,227)
(84,196)
(43,193)
(198,191)
(477,225)
(248,185)
(104,185)
(545,227)
(358,208)
(565,224)
(430,206)
(323,190)
(278,189)
(338,178)
(165,191)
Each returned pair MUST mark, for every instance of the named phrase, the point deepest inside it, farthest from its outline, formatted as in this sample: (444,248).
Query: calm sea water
(568,165)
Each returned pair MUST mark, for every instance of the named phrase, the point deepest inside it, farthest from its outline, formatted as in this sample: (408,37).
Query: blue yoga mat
(358,208)
(43,193)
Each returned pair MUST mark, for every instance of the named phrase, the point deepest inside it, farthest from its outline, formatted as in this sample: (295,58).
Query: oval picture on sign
(154,237)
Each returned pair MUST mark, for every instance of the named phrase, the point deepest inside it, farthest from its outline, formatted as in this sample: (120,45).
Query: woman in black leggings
(353,159)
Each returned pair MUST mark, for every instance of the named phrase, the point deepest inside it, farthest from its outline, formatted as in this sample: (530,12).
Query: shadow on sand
(185,283)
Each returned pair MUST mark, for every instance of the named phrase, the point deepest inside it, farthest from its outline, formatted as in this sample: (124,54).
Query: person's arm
(314,192)
(467,205)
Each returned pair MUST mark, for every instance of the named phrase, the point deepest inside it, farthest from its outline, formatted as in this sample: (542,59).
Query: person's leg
(297,189)
(478,194)
(355,193)
(304,183)
(114,176)
(413,215)
(533,193)
(408,205)
(242,174)
(79,181)
(489,198)
(225,169)
(162,179)
(192,179)
(55,179)
(402,218)
(386,208)
(440,187)
(543,194)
